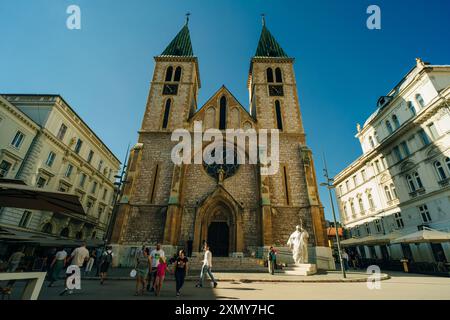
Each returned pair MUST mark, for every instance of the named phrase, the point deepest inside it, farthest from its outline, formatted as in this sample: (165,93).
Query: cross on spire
(263,18)
(187,17)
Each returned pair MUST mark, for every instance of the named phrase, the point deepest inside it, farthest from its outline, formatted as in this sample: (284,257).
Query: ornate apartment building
(46,144)
(401,181)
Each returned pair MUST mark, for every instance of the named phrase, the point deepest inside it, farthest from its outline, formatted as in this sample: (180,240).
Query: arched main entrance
(219,223)
(218,238)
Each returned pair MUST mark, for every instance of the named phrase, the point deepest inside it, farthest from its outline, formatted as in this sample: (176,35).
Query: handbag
(133,273)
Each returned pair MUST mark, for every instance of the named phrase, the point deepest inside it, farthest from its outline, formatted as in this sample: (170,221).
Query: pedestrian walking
(154,256)
(58,263)
(181,269)
(143,263)
(98,258)
(345,259)
(271,260)
(15,259)
(160,275)
(78,257)
(106,262)
(90,262)
(206,268)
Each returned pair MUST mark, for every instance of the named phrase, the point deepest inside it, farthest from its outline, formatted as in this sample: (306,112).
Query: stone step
(230,264)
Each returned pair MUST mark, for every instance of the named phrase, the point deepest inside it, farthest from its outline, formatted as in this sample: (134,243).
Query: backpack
(107,258)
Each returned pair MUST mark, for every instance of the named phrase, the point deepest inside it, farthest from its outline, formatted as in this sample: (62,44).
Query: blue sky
(104,69)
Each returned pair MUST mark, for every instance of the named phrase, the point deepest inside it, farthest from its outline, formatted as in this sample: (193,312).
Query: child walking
(160,274)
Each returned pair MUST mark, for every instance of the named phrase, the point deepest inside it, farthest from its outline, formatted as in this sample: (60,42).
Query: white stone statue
(298,243)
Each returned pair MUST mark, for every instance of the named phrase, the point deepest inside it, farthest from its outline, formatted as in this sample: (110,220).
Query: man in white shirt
(206,268)
(78,256)
(154,258)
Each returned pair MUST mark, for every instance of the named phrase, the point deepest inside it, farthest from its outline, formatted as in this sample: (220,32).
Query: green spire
(268,46)
(181,45)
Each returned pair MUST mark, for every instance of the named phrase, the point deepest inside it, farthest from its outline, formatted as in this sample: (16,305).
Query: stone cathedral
(243,211)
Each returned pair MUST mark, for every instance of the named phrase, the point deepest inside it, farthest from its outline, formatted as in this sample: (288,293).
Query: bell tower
(174,88)
(272,87)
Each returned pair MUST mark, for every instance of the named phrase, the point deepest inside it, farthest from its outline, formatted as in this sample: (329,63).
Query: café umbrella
(16,195)
(426,235)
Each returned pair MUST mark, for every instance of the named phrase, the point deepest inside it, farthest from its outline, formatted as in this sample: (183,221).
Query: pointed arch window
(278,115)
(278,75)
(169,73)
(223,113)
(166,113)
(177,76)
(269,72)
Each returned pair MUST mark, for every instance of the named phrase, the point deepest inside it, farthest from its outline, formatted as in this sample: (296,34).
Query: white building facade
(46,144)
(401,181)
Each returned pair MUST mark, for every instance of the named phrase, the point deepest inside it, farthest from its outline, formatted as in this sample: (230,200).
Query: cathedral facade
(234,208)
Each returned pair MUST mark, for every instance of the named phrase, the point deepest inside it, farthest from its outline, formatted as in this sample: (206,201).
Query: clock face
(170,89)
(276,90)
(228,168)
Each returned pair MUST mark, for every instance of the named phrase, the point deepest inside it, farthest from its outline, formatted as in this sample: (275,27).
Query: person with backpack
(106,261)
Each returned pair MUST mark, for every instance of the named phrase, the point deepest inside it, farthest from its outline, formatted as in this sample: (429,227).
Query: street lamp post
(329,185)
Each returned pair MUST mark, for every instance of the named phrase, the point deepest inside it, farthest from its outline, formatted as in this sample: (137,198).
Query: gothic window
(278,114)
(210,118)
(169,73)
(440,171)
(177,76)
(229,169)
(155,180)
(278,76)
(269,72)
(223,113)
(166,114)
(286,187)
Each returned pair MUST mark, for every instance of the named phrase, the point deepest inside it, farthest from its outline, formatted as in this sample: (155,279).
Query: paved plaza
(399,286)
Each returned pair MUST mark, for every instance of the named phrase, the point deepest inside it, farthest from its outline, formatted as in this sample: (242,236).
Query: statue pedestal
(304,269)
